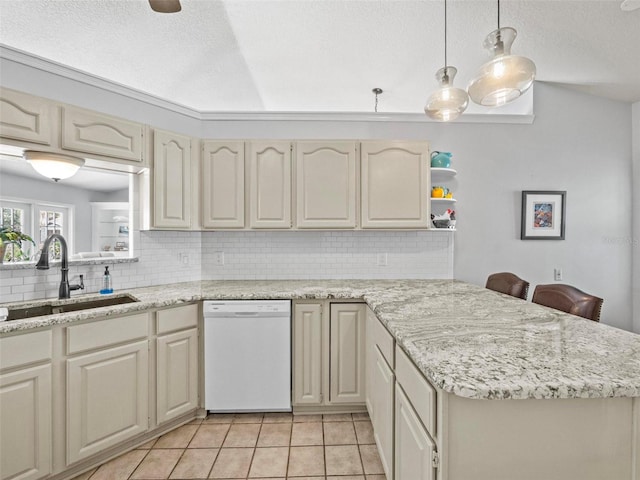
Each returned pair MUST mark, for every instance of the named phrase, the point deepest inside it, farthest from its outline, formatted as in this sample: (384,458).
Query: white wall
(578,143)
(635,238)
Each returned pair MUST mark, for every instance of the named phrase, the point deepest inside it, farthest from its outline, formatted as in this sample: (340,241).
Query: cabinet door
(107,398)
(394,180)
(25,423)
(223,185)
(414,449)
(177,374)
(347,366)
(270,185)
(171,180)
(91,132)
(25,117)
(326,184)
(307,354)
(383,390)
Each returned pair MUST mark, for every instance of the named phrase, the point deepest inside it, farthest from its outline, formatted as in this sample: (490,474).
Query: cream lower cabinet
(270,184)
(25,406)
(326,188)
(394,184)
(414,450)
(107,384)
(171,196)
(176,362)
(328,354)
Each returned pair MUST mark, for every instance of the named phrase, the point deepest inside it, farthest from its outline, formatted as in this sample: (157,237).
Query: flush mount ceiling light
(448,102)
(505,77)
(53,165)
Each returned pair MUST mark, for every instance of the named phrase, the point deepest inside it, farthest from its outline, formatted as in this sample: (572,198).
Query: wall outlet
(557,274)
(382,260)
(185,259)
(218,258)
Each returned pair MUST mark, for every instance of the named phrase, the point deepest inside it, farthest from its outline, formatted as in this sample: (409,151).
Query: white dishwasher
(247,355)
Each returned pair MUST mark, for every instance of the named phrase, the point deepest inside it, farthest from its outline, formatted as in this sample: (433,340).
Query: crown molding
(55,68)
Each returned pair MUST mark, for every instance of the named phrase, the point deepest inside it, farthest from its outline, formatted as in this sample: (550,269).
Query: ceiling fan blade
(165,6)
(629,5)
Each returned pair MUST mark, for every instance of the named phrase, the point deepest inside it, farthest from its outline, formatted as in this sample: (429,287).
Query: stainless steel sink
(49,309)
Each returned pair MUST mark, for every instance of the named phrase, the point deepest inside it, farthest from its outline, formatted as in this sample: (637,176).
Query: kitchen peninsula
(518,390)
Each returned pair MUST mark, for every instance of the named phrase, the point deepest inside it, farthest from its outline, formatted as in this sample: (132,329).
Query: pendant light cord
(498,14)
(445,33)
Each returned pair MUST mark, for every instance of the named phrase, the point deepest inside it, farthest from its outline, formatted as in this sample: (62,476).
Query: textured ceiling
(322,55)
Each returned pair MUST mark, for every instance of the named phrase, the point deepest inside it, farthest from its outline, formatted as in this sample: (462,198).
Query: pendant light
(53,165)
(505,77)
(448,102)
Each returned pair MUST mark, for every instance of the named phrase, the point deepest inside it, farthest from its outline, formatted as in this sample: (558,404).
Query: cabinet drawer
(106,332)
(177,318)
(383,340)
(24,349)
(91,132)
(418,389)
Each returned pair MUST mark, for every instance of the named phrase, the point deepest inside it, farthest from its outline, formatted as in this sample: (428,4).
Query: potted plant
(10,236)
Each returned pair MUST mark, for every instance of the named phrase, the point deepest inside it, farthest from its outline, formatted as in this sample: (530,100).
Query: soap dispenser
(106,282)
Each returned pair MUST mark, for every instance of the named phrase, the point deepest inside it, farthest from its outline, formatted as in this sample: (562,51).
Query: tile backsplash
(168,257)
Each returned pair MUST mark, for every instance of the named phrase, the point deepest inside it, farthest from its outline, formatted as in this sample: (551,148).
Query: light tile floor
(275,446)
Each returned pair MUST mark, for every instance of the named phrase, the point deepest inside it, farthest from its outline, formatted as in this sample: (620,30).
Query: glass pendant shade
(448,102)
(53,165)
(505,77)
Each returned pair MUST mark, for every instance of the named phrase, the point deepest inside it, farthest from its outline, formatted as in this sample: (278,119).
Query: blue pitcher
(440,159)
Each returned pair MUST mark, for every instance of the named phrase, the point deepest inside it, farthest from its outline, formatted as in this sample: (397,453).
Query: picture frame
(543,215)
(123,230)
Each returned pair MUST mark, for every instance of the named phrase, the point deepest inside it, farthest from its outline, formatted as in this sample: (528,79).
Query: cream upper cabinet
(223,185)
(25,406)
(171,180)
(90,132)
(177,362)
(347,331)
(307,353)
(25,117)
(395,184)
(107,384)
(326,184)
(270,184)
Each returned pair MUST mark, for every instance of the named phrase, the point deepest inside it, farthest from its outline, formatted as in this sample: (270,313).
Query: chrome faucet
(43,264)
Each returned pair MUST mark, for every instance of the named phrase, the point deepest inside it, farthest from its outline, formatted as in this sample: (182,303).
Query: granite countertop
(467,340)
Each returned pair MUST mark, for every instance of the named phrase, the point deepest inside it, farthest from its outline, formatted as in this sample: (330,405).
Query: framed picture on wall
(543,215)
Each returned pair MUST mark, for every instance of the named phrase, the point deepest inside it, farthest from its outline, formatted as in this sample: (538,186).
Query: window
(17,215)
(45,220)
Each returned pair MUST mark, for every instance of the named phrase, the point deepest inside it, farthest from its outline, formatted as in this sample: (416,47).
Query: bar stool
(568,299)
(508,283)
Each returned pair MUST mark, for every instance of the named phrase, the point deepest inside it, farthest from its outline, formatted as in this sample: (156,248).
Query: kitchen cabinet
(415,451)
(25,406)
(171,196)
(347,358)
(380,389)
(395,184)
(328,355)
(176,362)
(223,184)
(25,117)
(107,375)
(307,353)
(326,188)
(270,185)
(94,133)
